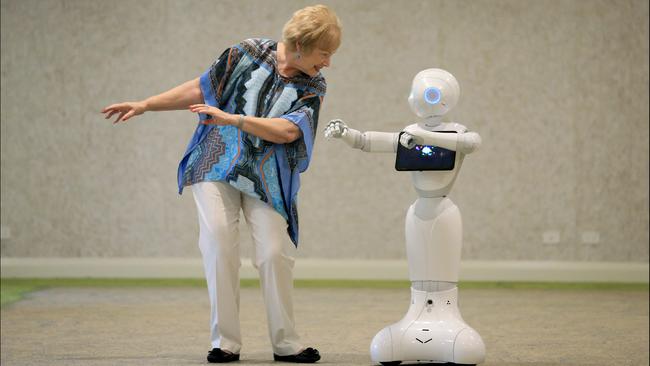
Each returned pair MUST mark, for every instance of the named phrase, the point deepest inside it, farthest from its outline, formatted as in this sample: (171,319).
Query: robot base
(395,363)
(432,331)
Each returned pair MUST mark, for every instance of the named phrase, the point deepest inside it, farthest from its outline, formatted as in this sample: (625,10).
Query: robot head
(434,92)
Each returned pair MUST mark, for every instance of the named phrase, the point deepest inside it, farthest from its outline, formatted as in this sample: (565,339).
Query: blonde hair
(313,27)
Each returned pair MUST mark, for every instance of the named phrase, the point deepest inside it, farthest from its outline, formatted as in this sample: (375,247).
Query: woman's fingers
(200,110)
(110,107)
(128,115)
(113,107)
(215,112)
(198,107)
(203,108)
(109,115)
(107,110)
(119,117)
(125,110)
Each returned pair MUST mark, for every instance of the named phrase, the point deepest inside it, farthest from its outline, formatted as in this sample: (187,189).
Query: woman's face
(311,63)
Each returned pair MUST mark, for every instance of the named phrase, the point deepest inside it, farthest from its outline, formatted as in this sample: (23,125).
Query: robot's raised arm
(369,141)
(465,143)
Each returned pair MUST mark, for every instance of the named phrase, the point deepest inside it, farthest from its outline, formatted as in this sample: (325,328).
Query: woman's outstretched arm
(180,97)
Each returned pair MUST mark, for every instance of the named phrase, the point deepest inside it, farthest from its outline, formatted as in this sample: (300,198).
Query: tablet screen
(424,157)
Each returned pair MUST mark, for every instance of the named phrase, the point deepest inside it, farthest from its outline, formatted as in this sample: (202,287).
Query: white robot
(432,331)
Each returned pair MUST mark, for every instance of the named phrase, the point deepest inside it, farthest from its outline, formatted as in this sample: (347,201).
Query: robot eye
(432,95)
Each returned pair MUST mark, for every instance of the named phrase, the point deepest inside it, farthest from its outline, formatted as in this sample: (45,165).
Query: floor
(168,326)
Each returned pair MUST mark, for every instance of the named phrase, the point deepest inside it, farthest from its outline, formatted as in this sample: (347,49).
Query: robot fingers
(408,141)
(335,129)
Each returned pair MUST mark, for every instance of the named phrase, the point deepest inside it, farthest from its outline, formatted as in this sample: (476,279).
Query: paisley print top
(244,80)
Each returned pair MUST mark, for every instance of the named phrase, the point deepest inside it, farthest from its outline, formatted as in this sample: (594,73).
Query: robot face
(434,92)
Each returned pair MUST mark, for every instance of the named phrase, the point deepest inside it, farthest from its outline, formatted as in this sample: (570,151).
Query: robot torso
(437,183)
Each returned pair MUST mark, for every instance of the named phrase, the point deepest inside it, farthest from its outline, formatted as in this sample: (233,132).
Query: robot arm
(465,143)
(369,141)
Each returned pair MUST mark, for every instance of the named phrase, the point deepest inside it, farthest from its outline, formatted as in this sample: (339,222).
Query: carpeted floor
(168,326)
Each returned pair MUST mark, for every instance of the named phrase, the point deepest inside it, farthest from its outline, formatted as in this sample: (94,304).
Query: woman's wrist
(236,120)
(145,105)
(232,119)
(239,121)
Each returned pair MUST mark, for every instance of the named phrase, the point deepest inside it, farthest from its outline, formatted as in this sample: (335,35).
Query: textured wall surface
(557,89)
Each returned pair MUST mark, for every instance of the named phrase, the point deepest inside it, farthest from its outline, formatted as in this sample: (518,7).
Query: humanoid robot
(432,331)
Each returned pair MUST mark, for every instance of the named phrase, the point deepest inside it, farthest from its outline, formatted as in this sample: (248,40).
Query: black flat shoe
(219,356)
(309,355)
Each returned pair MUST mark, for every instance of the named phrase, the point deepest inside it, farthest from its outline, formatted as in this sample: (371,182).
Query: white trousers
(218,205)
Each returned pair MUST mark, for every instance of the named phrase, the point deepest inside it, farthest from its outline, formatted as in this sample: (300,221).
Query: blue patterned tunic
(244,80)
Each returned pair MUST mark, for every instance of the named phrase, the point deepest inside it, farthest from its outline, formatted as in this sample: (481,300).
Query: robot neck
(430,123)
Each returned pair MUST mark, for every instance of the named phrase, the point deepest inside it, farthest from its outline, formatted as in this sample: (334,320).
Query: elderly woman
(258,107)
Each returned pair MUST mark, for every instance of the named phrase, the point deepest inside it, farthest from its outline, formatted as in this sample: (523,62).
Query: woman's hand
(126,110)
(219,117)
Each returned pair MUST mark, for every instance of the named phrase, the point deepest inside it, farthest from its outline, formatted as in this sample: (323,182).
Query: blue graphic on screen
(424,157)
(426,150)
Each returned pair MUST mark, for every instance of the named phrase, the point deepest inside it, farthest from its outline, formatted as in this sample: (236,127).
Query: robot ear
(411,100)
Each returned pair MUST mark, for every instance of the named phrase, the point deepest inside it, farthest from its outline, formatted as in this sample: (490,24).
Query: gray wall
(557,89)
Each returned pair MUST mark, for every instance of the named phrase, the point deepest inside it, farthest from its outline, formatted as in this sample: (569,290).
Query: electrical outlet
(551,237)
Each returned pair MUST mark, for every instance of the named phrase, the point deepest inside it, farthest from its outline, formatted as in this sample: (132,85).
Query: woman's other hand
(219,117)
(126,110)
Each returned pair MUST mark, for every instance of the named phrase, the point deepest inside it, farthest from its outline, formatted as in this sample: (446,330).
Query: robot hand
(409,141)
(335,129)
(465,143)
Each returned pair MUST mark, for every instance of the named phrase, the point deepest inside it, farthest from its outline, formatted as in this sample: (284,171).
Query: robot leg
(433,329)
(434,237)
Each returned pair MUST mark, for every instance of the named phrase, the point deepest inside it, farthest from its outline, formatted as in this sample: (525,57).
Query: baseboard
(306,268)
